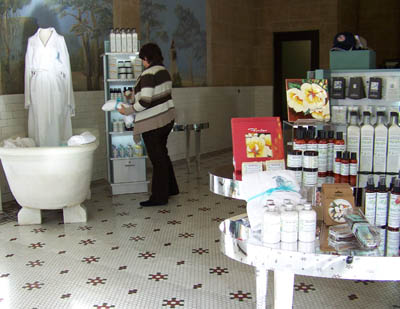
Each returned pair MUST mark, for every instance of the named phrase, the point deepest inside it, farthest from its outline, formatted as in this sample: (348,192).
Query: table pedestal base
(283,288)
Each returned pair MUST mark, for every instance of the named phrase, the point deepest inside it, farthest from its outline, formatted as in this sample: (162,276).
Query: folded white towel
(19,142)
(129,120)
(257,188)
(112,105)
(84,138)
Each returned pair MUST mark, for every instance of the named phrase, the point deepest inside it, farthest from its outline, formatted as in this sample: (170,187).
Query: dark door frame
(279,37)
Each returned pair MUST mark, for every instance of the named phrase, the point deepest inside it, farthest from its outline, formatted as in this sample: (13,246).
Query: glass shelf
(129,158)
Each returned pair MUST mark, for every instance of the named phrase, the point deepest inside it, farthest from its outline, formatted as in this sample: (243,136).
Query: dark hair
(152,53)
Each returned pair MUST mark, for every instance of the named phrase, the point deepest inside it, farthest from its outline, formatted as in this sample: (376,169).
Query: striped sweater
(153,101)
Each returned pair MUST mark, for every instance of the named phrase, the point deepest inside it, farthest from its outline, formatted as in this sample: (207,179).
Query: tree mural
(92,20)
(12,28)
(152,27)
(189,36)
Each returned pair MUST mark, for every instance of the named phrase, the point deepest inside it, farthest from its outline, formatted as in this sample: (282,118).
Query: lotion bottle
(307,223)
(118,41)
(353,135)
(272,225)
(380,145)
(393,156)
(289,224)
(112,41)
(381,203)
(370,200)
(366,149)
(134,41)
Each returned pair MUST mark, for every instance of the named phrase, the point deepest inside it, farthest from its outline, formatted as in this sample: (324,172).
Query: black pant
(163,179)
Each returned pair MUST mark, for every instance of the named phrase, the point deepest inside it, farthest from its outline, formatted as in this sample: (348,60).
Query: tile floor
(128,257)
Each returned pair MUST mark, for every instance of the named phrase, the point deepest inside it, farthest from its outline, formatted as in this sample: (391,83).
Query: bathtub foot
(75,214)
(28,216)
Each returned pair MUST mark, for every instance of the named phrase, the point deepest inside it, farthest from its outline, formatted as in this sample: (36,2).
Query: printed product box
(337,200)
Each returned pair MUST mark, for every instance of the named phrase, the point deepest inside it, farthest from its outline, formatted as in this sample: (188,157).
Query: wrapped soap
(365,233)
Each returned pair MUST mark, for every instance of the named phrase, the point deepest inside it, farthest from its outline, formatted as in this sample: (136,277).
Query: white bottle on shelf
(366,149)
(393,157)
(353,135)
(271,225)
(123,41)
(307,223)
(128,40)
(134,40)
(380,145)
(118,41)
(289,224)
(112,41)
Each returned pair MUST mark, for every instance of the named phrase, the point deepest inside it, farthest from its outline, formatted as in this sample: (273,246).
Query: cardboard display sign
(307,99)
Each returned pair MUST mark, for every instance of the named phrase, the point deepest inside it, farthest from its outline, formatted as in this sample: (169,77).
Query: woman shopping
(154,119)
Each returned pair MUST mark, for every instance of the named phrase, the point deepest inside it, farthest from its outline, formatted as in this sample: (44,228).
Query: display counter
(289,259)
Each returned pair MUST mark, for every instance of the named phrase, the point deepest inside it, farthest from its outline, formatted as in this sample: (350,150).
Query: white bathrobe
(48,90)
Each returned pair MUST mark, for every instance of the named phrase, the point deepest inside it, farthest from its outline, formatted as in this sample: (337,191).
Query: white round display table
(289,259)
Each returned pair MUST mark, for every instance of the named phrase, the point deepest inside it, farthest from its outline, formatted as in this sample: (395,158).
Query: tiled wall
(216,105)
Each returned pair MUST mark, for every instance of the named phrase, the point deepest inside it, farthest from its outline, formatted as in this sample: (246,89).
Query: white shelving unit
(125,174)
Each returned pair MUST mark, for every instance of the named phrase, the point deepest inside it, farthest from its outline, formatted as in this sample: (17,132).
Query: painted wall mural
(83,23)
(179,28)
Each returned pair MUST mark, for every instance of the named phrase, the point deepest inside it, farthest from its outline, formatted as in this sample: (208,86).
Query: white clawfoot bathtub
(49,178)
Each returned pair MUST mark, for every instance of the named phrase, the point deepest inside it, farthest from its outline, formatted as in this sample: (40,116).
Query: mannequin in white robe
(48,88)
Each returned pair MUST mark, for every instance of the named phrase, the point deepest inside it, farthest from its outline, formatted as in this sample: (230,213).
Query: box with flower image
(307,99)
(257,144)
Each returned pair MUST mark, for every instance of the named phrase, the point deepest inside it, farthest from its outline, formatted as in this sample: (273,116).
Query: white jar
(289,224)
(289,246)
(272,225)
(307,223)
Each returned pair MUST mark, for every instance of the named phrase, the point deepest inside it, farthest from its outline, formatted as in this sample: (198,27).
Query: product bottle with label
(353,134)
(339,144)
(394,206)
(112,41)
(380,145)
(307,223)
(123,40)
(128,40)
(381,203)
(370,200)
(345,168)
(322,154)
(393,230)
(353,169)
(312,143)
(134,41)
(289,224)
(118,41)
(299,142)
(271,225)
(366,149)
(393,156)
(337,167)
(330,156)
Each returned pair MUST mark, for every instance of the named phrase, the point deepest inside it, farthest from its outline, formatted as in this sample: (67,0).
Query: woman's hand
(122,110)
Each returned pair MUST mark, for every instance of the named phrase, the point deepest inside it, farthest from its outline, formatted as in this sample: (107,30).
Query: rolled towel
(84,138)
(111,105)
(19,142)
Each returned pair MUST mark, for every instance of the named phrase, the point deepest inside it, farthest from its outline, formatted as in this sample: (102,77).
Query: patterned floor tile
(127,256)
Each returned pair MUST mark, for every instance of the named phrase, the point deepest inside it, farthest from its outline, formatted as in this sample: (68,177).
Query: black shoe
(174,193)
(152,203)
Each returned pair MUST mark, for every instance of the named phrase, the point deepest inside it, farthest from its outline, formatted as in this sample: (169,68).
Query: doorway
(295,53)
